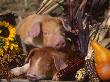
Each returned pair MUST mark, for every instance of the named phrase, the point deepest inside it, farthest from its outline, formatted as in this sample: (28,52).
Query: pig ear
(31,53)
(65,24)
(59,62)
(35,31)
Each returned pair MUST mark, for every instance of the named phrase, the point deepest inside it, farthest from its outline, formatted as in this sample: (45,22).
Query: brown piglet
(42,63)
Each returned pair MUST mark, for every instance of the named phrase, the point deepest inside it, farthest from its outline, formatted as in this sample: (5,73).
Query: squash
(102,60)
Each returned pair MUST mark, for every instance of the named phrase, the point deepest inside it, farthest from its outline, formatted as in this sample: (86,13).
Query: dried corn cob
(81,74)
(89,64)
(70,71)
(5,73)
(90,68)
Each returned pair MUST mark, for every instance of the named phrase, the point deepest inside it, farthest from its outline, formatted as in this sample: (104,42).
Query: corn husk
(48,6)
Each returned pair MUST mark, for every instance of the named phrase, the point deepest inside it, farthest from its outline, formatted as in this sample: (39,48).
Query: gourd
(102,60)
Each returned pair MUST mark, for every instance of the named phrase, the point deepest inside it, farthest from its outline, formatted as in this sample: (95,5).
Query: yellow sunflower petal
(0,31)
(6,47)
(1,52)
(11,47)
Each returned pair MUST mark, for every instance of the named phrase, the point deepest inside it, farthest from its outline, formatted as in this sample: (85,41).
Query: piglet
(42,63)
(42,31)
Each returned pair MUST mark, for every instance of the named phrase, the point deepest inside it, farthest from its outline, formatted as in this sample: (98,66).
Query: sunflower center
(4,31)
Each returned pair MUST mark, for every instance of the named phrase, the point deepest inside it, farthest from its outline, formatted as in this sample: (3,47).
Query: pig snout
(60,44)
(34,77)
(31,76)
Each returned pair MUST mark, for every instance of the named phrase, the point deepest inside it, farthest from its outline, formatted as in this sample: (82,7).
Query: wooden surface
(26,80)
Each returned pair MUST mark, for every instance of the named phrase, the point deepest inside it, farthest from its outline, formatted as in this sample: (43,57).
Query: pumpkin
(102,60)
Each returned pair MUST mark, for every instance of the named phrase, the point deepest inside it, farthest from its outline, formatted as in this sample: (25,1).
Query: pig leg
(20,70)
(55,78)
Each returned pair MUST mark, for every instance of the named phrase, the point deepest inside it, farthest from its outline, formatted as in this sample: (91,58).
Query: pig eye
(46,33)
(48,66)
(63,34)
(62,29)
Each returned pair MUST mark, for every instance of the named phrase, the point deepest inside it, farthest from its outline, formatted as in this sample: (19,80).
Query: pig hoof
(16,71)
(55,78)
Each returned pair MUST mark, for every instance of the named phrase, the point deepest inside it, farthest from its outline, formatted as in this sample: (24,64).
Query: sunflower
(7,33)
(11,53)
(10,28)
(8,44)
